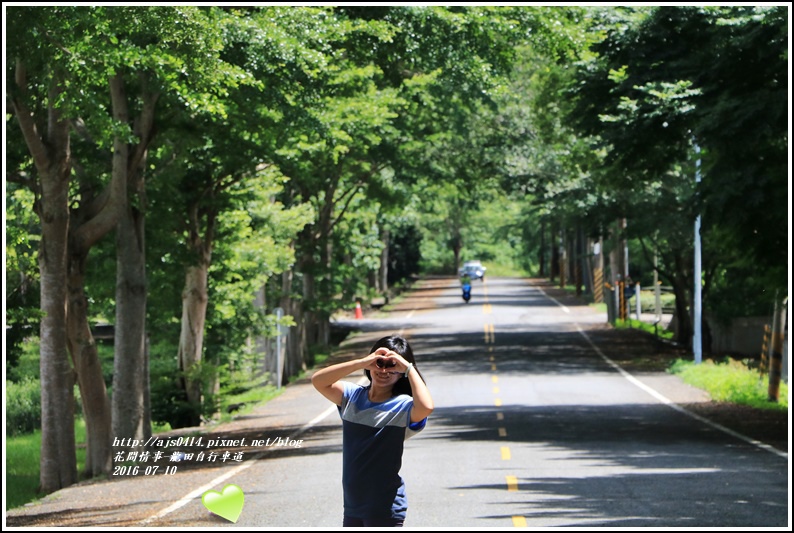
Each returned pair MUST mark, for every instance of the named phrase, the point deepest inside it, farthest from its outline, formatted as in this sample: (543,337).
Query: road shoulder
(647,359)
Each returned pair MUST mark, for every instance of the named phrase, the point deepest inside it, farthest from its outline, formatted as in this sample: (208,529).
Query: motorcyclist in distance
(465,282)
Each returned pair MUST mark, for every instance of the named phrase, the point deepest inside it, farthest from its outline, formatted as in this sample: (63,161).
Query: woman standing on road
(376,420)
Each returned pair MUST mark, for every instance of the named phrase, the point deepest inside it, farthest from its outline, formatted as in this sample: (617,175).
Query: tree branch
(115,195)
(26,122)
(22,179)
(351,193)
(144,129)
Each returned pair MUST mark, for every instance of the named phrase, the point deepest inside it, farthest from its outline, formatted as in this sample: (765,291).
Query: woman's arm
(326,380)
(423,402)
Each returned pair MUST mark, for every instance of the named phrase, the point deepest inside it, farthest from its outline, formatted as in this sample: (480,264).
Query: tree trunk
(579,265)
(52,158)
(95,218)
(58,460)
(195,298)
(304,334)
(320,286)
(130,372)
(131,410)
(191,337)
(585,261)
(384,266)
(324,294)
(563,259)
(542,250)
(296,343)
(457,246)
(554,267)
(684,330)
(93,393)
(293,360)
(308,326)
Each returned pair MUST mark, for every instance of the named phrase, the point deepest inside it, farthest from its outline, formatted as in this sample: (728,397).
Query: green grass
(320,359)
(23,451)
(644,326)
(252,393)
(648,301)
(505,271)
(731,381)
(599,307)
(22,465)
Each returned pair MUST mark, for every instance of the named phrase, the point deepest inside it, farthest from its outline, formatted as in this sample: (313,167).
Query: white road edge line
(564,308)
(220,479)
(663,399)
(236,470)
(409,315)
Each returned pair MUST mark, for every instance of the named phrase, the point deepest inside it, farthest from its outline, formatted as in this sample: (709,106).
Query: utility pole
(776,360)
(697,342)
(656,288)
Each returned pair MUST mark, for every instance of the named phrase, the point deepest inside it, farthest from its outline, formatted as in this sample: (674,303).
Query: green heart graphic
(227,504)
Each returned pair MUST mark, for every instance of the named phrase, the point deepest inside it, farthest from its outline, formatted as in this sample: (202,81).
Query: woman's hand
(371,361)
(392,360)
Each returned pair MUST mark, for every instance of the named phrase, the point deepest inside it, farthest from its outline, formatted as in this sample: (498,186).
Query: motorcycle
(466,292)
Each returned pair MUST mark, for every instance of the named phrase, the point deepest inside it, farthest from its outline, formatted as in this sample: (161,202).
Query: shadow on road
(106,515)
(621,466)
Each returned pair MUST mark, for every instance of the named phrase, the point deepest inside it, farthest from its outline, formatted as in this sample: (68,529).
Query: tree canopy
(306,158)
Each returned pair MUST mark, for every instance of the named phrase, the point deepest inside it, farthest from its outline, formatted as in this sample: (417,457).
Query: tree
(38,106)
(326,135)
(743,123)
(164,45)
(667,79)
(90,58)
(219,160)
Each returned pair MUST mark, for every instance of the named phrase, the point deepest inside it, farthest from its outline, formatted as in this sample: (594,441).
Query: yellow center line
(494,379)
(519,521)
(488,329)
(505,453)
(500,416)
(497,402)
(496,390)
(512,483)
(502,432)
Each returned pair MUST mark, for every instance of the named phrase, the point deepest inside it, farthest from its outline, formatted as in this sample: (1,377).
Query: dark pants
(372,522)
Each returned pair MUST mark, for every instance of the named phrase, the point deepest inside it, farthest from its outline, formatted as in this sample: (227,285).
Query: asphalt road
(534,426)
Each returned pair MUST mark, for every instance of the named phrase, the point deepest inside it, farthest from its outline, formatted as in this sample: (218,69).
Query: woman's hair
(398,344)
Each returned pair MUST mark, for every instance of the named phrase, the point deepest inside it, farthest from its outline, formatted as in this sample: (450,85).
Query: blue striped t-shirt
(373,434)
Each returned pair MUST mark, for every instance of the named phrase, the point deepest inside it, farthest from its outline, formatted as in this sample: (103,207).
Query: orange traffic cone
(359,314)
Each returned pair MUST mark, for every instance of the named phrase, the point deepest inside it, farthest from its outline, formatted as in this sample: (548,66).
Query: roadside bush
(23,406)
(730,381)
(168,400)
